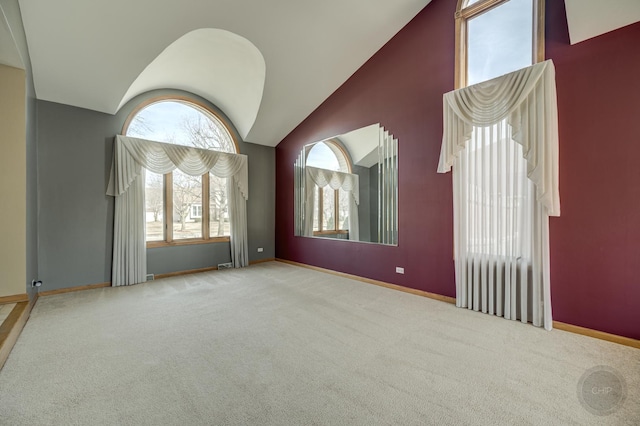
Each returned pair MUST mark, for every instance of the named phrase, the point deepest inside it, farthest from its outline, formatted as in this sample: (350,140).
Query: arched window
(495,37)
(182,208)
(331,206)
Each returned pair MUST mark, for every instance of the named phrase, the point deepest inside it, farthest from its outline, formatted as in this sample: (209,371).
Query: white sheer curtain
(348,182)
(130,157)
(501,137)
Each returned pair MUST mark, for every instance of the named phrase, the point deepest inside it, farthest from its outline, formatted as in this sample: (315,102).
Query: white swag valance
(527,99)
(130,157)
(335,180)
(480,121)
(132,154)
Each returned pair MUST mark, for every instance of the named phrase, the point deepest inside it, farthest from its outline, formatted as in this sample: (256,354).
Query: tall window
(498,237)
(331,206)
(495,37)
(182,208)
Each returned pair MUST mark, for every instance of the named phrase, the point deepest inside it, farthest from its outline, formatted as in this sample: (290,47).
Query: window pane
(218,207)
(153,198)
(181,124)
(500,41)
(343,210)
(328,211)
(187,197)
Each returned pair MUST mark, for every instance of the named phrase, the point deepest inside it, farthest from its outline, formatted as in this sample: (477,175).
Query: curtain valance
(126,184)
(335,180)
(131,154)
(527,100)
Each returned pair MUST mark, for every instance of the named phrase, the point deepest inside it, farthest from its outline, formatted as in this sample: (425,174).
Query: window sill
(190,242)
(330,232)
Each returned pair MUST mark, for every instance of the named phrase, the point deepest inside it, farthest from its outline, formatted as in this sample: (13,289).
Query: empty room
(351,212)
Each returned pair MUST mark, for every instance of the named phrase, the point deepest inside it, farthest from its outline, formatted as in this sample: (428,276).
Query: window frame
(167,190)
(465,13)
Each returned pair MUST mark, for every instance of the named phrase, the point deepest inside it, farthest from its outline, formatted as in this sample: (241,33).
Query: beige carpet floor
(276,344)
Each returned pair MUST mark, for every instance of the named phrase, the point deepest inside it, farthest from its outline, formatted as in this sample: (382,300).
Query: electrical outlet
(399,270)
(260,249)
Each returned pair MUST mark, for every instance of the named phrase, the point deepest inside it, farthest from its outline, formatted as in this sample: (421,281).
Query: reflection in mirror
(346,187)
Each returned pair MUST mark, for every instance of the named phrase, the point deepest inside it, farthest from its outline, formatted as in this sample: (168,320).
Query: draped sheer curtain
(131,157)
(319,178)
(501,138)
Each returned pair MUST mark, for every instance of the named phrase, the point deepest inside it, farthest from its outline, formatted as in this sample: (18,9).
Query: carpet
(277,344)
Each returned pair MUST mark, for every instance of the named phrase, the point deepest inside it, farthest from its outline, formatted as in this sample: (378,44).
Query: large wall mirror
(346,187)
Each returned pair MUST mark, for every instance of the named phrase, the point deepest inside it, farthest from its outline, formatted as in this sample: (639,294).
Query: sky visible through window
(322,156)
(181,124)
(500,40)
(163,122)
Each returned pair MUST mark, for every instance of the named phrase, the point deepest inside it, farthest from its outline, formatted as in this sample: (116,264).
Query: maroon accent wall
(595,245)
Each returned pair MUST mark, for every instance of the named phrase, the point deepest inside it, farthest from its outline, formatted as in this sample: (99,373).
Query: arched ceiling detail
(218,65)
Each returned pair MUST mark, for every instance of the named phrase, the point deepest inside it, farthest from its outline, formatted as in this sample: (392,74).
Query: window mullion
(168,207)
(206,231)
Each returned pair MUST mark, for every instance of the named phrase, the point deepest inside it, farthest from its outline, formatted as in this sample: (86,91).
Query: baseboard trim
(626,341)
(422,293)
(12,326)
(15,298)
(196,271)
(255,262)
(187,272)
(72,289)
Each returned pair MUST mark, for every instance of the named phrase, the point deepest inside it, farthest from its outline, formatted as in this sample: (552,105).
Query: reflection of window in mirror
(331,208)
(495,37)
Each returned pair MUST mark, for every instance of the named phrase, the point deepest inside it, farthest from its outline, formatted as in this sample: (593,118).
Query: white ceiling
(216,64)
(9,54)
(88,53)
(362,145)
(591,18)
(98,54)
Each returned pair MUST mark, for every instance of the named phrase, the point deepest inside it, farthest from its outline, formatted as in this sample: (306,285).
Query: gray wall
(76,216)
(75,222)
(261,209)
(12,12)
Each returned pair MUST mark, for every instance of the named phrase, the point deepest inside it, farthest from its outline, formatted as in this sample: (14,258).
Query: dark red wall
(595,245)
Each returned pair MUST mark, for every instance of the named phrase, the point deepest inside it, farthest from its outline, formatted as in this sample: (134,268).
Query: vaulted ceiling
(266,64)
(90,53)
